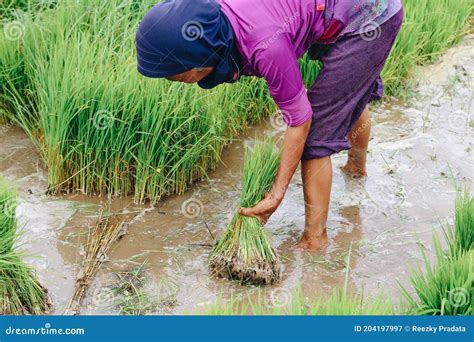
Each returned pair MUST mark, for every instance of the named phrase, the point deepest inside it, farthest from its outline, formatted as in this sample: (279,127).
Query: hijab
(178,35)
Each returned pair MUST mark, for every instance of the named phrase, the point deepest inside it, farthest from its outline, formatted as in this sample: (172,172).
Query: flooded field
(419,152)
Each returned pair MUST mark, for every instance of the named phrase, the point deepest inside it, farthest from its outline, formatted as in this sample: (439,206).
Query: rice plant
(20,292)
(243,252)
(460,238)
(447,286)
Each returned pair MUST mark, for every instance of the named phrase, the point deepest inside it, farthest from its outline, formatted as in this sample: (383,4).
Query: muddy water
(418,152)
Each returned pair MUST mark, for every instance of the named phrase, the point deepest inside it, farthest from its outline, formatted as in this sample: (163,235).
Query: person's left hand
(264,209)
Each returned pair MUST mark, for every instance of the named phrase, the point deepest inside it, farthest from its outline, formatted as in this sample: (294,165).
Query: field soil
(419,151)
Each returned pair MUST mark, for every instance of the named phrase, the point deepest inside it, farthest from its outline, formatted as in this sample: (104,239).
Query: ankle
(314,232)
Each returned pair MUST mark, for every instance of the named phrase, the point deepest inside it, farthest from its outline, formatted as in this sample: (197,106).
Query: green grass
(69,80)
(243,252)
(20,292)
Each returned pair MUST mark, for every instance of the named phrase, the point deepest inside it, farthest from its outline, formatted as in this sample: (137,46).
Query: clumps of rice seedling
(243,253)
(460,238)
(20,292)
(447,286)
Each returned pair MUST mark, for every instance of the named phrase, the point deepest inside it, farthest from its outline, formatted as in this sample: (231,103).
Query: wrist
(278,192)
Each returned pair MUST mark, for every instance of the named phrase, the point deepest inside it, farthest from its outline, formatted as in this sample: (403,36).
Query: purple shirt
(272,34)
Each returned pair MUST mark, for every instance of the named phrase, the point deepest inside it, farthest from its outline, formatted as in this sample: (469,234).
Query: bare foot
(312,243)
(354,171)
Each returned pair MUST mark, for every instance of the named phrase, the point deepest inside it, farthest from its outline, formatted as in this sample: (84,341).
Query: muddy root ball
(257,272)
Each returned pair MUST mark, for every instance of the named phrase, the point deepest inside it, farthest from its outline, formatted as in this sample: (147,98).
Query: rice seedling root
(251,272)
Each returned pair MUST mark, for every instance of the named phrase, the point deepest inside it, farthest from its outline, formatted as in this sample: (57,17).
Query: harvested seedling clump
(20,291)
(243,253)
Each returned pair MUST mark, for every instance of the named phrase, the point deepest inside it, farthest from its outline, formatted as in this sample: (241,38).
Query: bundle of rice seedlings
(446,287)
(243,253)
(20,292)
(460,238)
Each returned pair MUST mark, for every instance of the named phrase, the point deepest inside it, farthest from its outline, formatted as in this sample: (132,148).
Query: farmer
(210,42)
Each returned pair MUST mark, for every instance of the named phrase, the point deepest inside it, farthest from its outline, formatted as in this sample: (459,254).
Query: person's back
(305,22)
(259,24)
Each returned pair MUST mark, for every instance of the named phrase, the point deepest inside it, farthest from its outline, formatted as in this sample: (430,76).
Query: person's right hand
(263,209)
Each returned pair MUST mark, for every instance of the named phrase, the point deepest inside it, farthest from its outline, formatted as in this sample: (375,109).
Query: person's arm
(279,65)
(292,151)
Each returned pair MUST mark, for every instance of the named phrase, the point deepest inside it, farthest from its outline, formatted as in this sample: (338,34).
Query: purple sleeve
(277,63)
